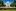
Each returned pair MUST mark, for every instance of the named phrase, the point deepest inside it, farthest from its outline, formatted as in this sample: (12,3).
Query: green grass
(1,10)
(8,10)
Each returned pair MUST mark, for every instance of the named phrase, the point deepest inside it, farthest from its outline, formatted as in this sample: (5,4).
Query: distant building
(7,4)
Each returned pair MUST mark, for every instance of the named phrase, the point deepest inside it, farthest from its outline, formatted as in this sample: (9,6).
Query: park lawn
(8,10)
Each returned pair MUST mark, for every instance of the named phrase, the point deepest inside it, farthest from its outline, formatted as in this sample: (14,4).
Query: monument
(7,4)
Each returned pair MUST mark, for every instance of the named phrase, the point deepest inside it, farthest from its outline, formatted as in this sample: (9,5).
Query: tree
(2,3)
(15,2)
(12,5)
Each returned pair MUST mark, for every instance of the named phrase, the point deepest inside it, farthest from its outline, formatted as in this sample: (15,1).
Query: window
(7,3)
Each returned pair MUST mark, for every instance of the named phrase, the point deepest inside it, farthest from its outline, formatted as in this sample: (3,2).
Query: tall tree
(12,5)
(2,3)
(15,2)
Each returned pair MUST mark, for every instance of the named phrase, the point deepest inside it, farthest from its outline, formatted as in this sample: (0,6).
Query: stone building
(7,4)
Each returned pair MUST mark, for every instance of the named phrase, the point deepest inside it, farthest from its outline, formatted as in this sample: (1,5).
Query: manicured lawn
(8,10)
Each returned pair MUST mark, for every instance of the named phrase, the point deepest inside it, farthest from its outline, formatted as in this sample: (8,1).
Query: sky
(8,0)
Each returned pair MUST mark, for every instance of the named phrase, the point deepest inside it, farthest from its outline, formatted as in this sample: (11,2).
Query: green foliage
(2,3)
(12,5)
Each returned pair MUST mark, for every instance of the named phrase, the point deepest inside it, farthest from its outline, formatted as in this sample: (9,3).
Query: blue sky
(9,1)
